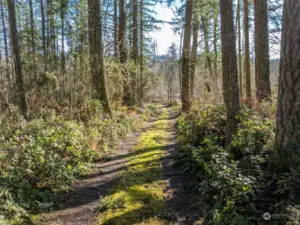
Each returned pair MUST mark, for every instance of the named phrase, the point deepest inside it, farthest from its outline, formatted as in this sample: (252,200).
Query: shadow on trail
(181,206)
(179,203)
(99,187)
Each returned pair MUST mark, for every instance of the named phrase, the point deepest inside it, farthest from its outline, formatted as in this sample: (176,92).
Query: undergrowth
(41,158)
(240,182)
(138,197)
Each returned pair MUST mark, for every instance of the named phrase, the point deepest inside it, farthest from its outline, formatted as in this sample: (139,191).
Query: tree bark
(43,34)
(122,32)
(134,47)
(32,27)
(123,53)
(239,46)
(288,107)
(5,43)
(247,53)
(180,60)
(229,68)
(96,54)
(116,26)
(185,94)
(141,86)
(262,57)
(194,52)
(206,45)
(62,17)
(216,50)
(17,58)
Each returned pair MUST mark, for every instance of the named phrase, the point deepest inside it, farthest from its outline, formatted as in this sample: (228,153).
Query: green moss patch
(138,197)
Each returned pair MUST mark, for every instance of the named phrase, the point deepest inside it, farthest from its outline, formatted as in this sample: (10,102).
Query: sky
(165,36)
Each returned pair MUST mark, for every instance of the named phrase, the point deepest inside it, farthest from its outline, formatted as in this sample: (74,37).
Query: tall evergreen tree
(185,93)
(247,52)
(17,58)
(288,107)
(229,68)
(96,54)
(262,57)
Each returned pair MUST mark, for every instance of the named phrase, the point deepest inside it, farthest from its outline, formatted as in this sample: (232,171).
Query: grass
(139,196)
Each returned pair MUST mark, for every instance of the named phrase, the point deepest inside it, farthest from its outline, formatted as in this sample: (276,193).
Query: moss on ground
(139,196)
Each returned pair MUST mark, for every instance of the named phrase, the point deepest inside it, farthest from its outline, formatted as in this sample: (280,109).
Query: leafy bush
(42,157)
(48,154)
(207,121)
(238,183)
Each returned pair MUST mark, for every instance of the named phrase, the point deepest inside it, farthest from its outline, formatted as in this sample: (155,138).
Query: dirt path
(182,202)
(80,206)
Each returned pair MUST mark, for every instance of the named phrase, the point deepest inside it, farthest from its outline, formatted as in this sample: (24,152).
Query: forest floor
(135,185)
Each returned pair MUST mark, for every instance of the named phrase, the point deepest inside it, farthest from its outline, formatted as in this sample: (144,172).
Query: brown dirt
(182,202)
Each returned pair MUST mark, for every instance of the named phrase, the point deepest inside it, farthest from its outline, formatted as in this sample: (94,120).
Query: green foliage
(42,157)
(207,121)
(48,153)
(255,135)
(238,183)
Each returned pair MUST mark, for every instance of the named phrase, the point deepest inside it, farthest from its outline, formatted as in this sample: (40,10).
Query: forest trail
(135,185)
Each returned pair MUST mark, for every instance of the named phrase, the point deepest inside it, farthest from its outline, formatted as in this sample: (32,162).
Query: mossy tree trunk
(194,51)
(96,54)
(123,52)
(134,16)
(229,68)
(185,93)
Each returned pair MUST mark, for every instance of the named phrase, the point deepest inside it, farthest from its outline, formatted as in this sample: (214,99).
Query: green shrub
(42,157)
(48,154)
(207,121)
(238,183)
(106,133)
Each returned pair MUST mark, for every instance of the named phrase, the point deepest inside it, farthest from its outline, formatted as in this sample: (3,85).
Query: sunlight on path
(139,196)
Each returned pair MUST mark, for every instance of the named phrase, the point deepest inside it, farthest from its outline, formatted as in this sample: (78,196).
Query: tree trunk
(247,53)
(288,107)
(62,17)
(194,51)
(32,37)
(206,45)
(185,94)
(96,54)
(216,50)
(43,33)
(17,58)
(116,25)
(229,69)
(123,52)
(262,57)
(179,61)
(134,47)
(141,88)
(5,43)
(239,46)
(32,27)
